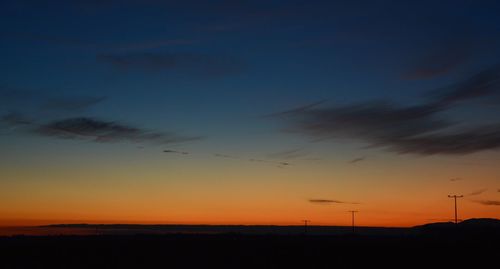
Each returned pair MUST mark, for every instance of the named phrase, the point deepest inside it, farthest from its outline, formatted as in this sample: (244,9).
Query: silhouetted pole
(306,221)
(455,198)
(352,213)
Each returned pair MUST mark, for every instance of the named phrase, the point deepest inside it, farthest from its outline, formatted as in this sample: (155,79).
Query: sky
(249,112)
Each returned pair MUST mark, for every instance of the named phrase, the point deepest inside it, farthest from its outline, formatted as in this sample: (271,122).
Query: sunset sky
(248,112)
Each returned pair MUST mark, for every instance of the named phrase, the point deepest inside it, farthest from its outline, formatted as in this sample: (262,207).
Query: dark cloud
(117,46)
(328,201)
(257,160)
(488,202)
(288,154)
(176,152)
(69,104)
(190,63)
(478,192)
(484,83)
(26,99)
(14,119)
(104,131)
(45,39)
(10,96)
(296,110)
(461,142)
(415,129)
(456,179)
(357,160)
(218,155)
(254,160)
(441,60)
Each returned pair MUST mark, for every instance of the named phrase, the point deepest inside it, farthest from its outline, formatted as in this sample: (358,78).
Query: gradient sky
(248,112)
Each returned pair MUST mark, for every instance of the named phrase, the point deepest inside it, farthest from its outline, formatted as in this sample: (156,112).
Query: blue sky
(207,75)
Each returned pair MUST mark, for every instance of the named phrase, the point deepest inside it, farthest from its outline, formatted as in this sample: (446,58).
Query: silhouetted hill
(469,223)
(481,223)
(471,227)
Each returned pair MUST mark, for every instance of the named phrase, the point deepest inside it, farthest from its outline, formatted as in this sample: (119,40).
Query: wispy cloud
(357,160)
(488,202)
(14,120)
(456,179)
(253,160)
(478,192)
(116,46)
(484,83)
(74,103)
(441,60)
(190,63)
(418,129)
(329,201)
(176,151)
(226,156)
(24,99)
(148,45)
(105,132)
(288,154)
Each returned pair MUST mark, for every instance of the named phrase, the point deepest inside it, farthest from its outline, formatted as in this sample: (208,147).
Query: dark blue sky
(212,68)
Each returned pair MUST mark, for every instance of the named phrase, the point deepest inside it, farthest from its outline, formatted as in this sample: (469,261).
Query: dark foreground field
(428,247)
(240,251)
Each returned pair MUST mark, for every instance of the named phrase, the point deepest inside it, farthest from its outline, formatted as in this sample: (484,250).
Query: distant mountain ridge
(470,226)
(474,222)
(469,223)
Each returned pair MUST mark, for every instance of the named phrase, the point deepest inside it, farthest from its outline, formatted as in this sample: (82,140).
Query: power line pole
(352,213)
(306,221)
(455,198)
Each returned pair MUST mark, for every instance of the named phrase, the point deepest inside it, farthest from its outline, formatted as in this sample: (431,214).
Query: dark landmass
(473,243)
(122,229)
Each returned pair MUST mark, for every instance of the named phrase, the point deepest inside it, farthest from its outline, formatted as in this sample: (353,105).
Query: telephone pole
(352,213)
(455,198)
(306,221)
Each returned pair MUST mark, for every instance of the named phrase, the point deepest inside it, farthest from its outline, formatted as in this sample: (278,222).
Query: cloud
(288,154)
(418,129)
(190,63)
(280,164)
(226,156)
(14,120)
(488,202)
(148,45)
(357,160)
(106,132)
(45,39)
(25,99)
(69,104)
(440,61)
(478,192)
(484,83)
(118,46)
(176,151)
(328,201)
(296,110)
(456,179)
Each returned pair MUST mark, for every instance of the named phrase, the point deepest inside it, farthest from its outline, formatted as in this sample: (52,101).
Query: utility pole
(352,213)
(455,198)
(306,221)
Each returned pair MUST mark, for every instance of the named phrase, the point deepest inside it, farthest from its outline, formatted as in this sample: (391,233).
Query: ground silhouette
(472,242)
